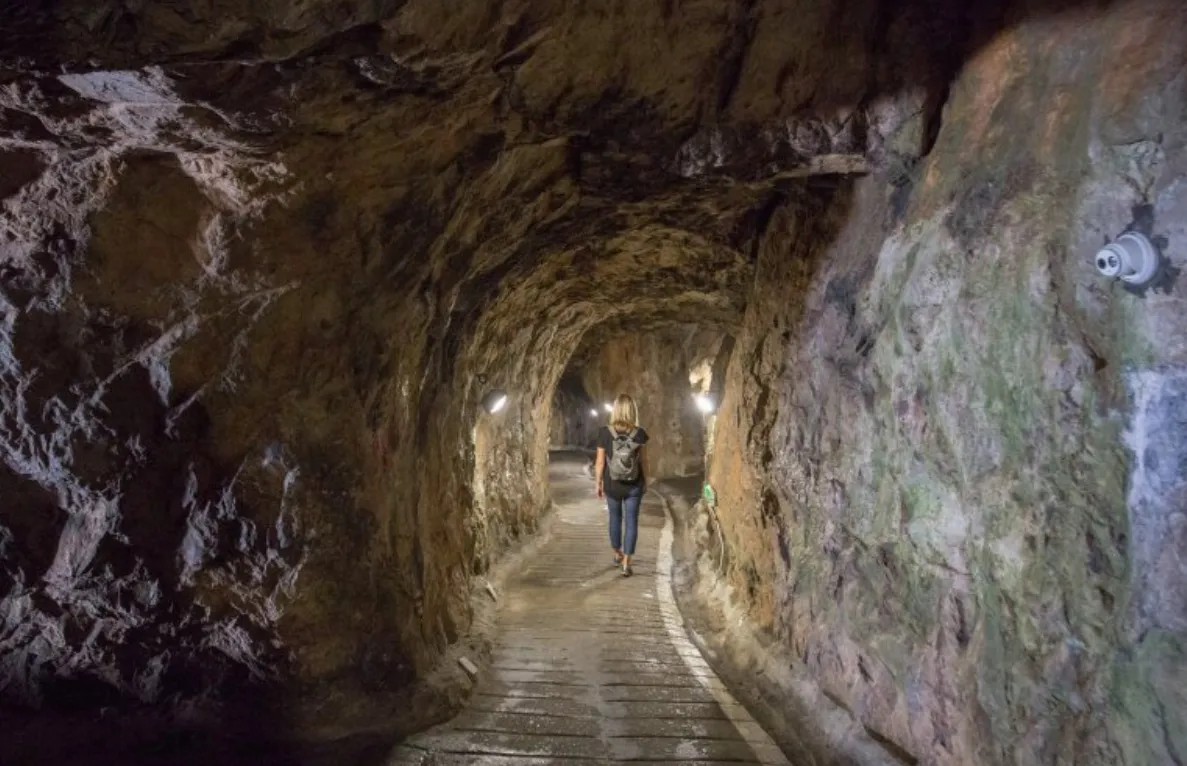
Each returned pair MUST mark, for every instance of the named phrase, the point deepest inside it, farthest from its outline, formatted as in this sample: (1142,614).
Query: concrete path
(590,667)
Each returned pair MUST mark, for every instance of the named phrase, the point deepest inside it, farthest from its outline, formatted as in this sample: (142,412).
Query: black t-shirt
(606,442)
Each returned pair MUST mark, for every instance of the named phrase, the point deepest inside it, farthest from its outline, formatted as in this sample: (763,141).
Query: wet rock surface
(260,264)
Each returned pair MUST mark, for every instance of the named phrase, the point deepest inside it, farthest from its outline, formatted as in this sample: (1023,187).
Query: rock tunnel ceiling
(257,269)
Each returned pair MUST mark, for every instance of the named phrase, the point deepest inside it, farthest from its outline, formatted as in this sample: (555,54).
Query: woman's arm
(598,463)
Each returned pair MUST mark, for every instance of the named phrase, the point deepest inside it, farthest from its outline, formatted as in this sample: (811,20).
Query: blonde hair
(625,415)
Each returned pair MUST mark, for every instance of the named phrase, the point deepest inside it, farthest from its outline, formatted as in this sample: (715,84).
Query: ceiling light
(608,407)
(593,412)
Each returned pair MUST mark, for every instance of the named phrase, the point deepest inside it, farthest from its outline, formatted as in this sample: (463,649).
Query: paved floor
(590,667)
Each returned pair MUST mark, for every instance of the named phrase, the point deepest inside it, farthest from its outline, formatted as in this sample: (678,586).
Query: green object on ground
(708,494)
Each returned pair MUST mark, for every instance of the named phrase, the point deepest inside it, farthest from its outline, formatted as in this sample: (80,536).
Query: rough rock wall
(250,309)
(332,228)
(949,460)
(115,497)
(575,417)
(654,368)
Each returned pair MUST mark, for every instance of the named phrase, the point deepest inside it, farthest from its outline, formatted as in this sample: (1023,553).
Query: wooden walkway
(590,667)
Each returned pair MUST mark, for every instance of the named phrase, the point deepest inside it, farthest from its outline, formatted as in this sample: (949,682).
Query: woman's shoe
(627,571)
(617,559)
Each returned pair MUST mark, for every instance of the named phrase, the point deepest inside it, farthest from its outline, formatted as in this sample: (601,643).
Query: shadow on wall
(167,615)
(575,417)
(138,611)
(146,565)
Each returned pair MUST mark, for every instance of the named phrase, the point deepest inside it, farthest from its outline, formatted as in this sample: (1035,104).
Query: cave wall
(654,367)
(241,382)
(260,263)
(575,417)
(948,460)
(121,519)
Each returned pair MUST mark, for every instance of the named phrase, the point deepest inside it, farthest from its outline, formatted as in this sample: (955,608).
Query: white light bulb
(494,401)
(704,403)
(608,407)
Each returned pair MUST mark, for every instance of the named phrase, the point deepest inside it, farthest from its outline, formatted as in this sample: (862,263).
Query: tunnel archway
(660,364)
(640,278)
(258,269)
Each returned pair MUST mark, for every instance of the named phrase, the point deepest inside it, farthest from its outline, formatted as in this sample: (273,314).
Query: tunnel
(312,311)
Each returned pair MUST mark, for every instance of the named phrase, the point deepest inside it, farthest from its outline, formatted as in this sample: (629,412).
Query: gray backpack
(624,457)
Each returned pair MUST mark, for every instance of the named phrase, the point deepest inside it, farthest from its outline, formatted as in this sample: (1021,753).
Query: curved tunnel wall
(319,449)
(942,431)
(654,271)
(240,344)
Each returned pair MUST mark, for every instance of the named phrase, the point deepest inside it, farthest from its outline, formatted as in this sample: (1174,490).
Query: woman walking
(621,476)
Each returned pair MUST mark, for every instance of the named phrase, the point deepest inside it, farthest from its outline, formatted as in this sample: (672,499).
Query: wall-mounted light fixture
(593,413)
(608,407)
(1131,258)
(704,403)
(494,401)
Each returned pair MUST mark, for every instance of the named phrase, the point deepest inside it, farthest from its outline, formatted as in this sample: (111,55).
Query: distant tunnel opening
(662,368)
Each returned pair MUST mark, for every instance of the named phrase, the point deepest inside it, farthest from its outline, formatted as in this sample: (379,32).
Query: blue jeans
(628,507)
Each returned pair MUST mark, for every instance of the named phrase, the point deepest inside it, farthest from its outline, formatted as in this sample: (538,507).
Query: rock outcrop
(946,463)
